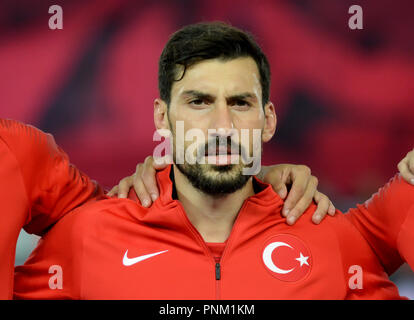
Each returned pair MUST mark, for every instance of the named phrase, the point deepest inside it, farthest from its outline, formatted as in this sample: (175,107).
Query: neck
(212,216)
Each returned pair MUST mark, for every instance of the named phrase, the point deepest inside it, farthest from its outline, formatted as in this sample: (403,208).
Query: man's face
(221,95)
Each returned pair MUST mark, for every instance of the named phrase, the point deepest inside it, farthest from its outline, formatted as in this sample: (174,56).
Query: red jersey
(117,249)
(387,222)
(37,187)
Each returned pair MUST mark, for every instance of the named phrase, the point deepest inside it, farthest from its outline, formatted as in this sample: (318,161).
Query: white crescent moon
(267,257)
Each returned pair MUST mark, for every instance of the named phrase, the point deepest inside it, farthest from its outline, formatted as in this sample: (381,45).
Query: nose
(222,121)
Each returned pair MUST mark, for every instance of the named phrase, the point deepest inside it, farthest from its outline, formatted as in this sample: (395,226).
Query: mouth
(221,151)
(222,155)
(218,151)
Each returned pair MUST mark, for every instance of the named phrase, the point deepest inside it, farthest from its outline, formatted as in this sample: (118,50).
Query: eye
(241,104)
(197,102)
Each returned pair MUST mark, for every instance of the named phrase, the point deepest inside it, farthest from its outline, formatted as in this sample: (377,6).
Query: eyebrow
(197,94)
(202,95)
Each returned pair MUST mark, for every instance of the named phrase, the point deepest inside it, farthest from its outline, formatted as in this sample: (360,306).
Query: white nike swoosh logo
(129,262)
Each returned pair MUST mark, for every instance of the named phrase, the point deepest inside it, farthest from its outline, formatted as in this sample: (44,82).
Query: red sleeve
(386,221)
(53,186)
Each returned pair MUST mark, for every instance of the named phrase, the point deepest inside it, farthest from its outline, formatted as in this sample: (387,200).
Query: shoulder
(347,236)
(334,234)
(91,218)
(338,233)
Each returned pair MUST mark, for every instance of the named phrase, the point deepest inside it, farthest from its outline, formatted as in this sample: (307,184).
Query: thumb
(162,162)
(281,190)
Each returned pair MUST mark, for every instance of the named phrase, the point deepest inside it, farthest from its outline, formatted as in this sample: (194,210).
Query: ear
(270,122)
(160,114)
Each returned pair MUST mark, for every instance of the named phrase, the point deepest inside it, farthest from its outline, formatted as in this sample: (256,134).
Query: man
(39,186)
(223,238)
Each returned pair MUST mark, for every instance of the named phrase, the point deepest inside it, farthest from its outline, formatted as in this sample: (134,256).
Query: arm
(37,187)
(386,220)
(303,187)
(52,185)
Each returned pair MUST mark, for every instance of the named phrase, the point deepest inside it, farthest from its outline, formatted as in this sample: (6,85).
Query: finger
(304,185)
(332,209)
(113,191)
(142,193)
(277,176)
(148,177)
(302,205)
(139,187)
(278,180)
(405,171)
(294,195)
(123,187)
(322,208)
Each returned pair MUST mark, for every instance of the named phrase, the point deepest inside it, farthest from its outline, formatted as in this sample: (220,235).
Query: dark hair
(211,40)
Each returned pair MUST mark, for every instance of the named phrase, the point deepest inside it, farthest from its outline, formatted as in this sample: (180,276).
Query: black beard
(213,186)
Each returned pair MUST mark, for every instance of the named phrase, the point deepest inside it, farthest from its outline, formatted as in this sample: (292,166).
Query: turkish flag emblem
(286,257)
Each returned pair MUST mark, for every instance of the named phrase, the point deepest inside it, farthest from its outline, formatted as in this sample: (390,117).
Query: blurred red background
(344,98)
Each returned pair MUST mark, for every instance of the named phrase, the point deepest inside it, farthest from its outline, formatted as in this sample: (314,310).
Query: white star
(303,260)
